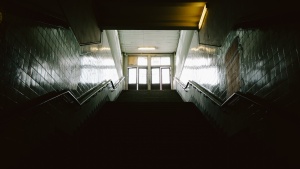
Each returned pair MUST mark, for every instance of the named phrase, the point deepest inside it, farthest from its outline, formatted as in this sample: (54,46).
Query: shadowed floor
(152,129)
(152,135)
(149,96)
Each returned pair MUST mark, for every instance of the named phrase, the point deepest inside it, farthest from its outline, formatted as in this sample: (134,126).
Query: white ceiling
(165,41)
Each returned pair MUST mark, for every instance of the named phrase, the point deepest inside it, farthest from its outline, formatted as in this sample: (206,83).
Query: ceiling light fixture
(146,48)
(204,11)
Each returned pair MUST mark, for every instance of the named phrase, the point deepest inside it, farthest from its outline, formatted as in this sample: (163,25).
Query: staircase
(151,129)
(149,96)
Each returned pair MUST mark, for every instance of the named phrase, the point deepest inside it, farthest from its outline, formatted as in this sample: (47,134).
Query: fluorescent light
(202,17)
(146,48)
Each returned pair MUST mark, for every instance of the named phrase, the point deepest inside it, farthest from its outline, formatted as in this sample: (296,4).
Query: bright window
(157,61)
(165,61)
(142,61)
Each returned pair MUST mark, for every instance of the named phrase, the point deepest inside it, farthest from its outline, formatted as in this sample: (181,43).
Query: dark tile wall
(36,59)
(269,64)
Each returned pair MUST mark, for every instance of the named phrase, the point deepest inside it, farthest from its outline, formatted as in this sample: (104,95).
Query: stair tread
(148,134)
(161,132)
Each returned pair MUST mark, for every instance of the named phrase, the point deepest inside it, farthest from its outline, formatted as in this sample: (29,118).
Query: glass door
(137,78)
(160,78)
(165,79)
(155,79)
(142,80)
(132,78)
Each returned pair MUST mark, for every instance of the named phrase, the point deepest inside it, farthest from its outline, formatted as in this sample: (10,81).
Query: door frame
(170,76)
(126,66)
(127,80)
(160,75)
(137,75)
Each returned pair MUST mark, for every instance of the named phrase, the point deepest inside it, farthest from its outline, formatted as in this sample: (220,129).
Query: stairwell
(151,129)
(146,129)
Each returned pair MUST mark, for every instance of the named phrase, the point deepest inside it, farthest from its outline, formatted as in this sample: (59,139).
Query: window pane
(142,61)
(165,61)
(155,76)
(155,61)
(165,76)
(132,61)
(132,76)
(142,76)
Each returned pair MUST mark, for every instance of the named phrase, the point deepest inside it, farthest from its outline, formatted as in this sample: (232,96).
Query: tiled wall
(269,68)
(269,64)
(36,59)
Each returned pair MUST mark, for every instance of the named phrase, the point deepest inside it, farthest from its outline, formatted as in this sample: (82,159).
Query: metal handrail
(79,101)
(215,99)
(182,84)
(201,89)
(114,86)
(239,94)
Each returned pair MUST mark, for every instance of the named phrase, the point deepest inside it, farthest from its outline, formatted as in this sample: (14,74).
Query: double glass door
(160,78)
(138,78)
